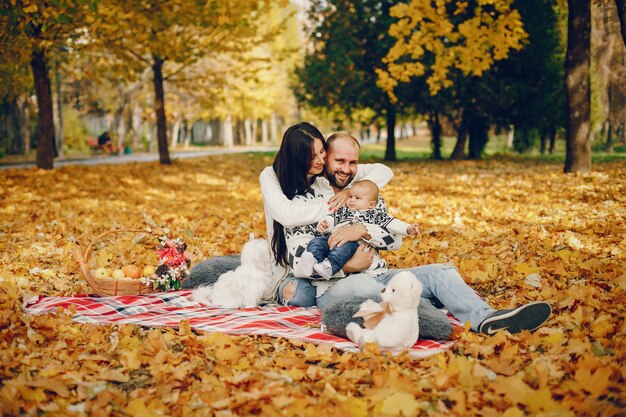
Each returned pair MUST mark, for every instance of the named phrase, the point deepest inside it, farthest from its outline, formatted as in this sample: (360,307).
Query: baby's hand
(322,226)
(413,230)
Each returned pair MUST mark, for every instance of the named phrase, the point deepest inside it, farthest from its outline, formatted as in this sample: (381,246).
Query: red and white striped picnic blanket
(167,309)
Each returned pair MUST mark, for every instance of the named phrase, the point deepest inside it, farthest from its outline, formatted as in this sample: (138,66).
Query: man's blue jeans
(442,284)
(337,257)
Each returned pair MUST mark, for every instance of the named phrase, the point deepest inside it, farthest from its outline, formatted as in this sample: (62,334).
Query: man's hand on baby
(338,200)
(347,234)
(360,261)
(413,230)
(322,227)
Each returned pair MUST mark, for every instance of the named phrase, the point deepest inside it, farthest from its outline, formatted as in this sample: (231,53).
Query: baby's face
(360,199)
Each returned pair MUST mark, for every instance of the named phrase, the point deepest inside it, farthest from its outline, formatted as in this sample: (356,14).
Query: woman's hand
(361,260)
(338,200)
(347,234)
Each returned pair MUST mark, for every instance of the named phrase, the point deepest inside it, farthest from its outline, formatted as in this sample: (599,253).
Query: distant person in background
(105,143)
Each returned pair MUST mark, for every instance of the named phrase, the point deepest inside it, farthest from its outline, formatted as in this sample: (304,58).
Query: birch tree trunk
(188,132)
(175,132)
(264,132)
(228,132)
(247,127)
(255,130)
(137,125)
(274,128)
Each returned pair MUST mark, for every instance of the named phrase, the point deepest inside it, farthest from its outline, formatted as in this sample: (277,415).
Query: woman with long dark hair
(299,160)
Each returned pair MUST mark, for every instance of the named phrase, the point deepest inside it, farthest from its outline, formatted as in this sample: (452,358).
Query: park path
(139,157)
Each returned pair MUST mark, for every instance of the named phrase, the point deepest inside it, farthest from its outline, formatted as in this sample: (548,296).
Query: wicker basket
(110,286)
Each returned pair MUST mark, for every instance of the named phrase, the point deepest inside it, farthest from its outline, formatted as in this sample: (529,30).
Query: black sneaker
(527,317)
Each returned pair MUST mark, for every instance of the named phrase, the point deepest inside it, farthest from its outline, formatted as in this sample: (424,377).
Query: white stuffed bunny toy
(393,324)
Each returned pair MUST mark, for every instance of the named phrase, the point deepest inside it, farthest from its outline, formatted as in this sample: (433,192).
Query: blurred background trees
(168,75)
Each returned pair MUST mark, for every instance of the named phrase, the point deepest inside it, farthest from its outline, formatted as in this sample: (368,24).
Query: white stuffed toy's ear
(372,313)
(251,236)
(368,308)
(418,288)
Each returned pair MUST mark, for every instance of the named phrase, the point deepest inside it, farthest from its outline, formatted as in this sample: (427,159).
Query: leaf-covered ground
(517,231)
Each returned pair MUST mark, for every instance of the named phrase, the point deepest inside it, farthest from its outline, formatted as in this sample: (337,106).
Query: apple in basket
(131,271)
(118,273)
(101,273)
(148,270)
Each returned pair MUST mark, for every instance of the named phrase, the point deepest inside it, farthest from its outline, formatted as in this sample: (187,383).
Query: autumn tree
(437,39)
(577,82)
(36,30)
(168,37)
(348,41)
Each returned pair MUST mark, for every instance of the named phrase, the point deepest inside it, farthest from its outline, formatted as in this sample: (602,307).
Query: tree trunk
(152,145)
(390,151)
(176,132)
(435,129)
(25,107)
(45,119)
(255,131)
(247,131)
(137,125)
(274,128)
(121,128)
(608,147)
(228,132)
(577,85)
(621,14)
(14,126)
(23,132)
(188,129)
(264,132)
(543,143)
(510,136)
(59,136)
(552,141)
(159,104)
(458,153)
(478,131)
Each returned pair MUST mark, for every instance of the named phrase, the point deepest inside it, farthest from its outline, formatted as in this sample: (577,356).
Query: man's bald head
(344,137)
(342,157)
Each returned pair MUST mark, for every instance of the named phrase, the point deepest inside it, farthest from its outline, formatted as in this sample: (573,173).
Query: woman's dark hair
(291,165)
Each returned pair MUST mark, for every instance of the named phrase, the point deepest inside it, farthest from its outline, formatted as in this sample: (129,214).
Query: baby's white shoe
(324,269)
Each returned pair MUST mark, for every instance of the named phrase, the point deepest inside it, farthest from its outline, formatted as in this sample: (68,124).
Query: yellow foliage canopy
(452,36)
(518,232)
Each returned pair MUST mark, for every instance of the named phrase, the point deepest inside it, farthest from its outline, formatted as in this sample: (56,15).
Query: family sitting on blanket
(310,179)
